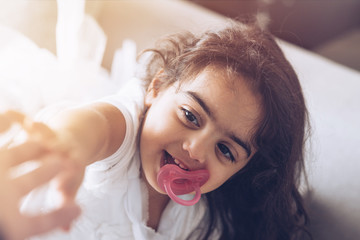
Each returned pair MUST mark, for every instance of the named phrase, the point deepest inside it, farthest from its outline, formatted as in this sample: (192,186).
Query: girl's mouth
(168,159)
(176,179)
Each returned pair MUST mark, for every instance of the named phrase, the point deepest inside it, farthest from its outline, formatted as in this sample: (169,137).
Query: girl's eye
(226,152)
(190,117)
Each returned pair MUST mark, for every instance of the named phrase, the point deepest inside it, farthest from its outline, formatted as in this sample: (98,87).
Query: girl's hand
(59,143)
(81,136)
(63,144)
(13,224)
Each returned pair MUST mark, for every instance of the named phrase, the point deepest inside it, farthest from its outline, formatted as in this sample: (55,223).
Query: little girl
(224,109)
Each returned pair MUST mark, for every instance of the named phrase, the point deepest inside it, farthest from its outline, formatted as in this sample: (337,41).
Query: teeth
(182,166)
(179,164)
(174,160)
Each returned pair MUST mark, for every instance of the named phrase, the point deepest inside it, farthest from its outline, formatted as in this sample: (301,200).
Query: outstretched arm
(84,135)
(91,132)
(73,139)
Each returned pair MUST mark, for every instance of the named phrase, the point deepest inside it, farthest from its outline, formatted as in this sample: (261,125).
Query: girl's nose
(197,148)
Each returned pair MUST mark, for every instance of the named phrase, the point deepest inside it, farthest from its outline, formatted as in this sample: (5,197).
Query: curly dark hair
(262,200)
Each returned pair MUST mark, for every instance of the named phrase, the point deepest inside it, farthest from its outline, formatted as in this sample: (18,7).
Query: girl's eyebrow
(201,102)
(207,110)
(243,144)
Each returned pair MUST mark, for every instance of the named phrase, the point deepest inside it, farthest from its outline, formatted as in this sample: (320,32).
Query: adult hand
(15,225)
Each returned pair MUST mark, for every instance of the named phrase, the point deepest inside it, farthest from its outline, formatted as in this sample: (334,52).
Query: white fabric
(113,197)
(32,78)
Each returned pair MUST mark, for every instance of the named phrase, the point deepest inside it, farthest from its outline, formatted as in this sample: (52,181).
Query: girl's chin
(151,182)
(154,188)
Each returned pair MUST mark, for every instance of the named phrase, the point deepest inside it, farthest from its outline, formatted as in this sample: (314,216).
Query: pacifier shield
(176,181)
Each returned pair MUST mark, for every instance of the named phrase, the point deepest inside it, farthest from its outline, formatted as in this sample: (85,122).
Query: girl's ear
(154,88)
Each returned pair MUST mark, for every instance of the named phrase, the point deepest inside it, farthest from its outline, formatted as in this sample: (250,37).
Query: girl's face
(206,123)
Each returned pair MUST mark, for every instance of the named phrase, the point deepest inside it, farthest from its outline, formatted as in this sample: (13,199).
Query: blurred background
(330,28)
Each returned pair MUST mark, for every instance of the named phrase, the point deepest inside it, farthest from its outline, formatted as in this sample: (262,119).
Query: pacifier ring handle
(175,198)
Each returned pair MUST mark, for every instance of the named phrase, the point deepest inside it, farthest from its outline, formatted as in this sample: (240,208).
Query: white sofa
(332,93)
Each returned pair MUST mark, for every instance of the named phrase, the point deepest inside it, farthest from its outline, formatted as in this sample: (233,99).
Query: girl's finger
(39,131)
(21,153)
(69,183)
(56,219)
(5,123)
(8,118)
(15,116)
(50,167)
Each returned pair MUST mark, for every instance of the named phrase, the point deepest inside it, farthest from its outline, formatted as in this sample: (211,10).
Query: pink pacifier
(176,181)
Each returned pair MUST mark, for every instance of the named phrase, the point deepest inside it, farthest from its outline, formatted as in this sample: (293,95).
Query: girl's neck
(156,205)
